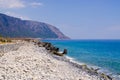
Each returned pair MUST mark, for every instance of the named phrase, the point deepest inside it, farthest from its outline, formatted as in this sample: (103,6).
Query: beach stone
(30,62)
(9,47)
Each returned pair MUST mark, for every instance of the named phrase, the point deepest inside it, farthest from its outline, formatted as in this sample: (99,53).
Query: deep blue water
(102,53)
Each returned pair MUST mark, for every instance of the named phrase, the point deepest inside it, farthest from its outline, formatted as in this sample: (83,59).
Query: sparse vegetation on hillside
(4,40)
(0,35)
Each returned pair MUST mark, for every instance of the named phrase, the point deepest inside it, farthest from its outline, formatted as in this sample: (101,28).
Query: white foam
(74,61)
(101,70)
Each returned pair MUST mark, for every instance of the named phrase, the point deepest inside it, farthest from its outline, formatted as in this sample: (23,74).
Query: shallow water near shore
(102,53)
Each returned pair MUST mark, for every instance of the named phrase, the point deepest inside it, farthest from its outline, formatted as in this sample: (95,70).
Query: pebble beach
(31,62)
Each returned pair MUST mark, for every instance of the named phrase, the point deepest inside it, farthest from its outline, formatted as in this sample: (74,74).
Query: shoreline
(104,70)
(89,69)
(96,69)
(31,55)
(100,70)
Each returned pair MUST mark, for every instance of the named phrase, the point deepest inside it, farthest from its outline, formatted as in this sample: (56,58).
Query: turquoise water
(102,53)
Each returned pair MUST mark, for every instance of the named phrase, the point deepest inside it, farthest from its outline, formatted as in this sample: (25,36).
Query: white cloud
(36,4)
(11,4)
(17,15)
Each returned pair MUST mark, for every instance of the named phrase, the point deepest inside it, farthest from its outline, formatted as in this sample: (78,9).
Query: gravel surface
(30,62)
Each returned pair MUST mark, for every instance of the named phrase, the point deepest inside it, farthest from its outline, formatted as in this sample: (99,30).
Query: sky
(78,19)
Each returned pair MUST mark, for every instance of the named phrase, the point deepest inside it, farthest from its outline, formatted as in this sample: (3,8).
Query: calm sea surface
(102,53)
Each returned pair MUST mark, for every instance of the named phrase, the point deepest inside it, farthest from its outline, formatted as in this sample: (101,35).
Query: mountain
(15,27)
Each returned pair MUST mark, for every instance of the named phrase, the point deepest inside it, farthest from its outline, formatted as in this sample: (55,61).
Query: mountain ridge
(15,27)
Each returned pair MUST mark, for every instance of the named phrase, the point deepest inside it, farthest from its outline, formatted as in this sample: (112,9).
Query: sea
(104,54)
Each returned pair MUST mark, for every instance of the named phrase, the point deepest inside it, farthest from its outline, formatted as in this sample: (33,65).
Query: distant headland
(14,27)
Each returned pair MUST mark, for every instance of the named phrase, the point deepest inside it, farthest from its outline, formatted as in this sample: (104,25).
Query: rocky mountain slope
(15,27)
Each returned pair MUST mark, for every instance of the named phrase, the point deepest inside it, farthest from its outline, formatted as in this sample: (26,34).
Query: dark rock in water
(40,44)
(93,71)
(59,53)
(56,49)
(53,49)
(65,51)
(106,77)
(109,77)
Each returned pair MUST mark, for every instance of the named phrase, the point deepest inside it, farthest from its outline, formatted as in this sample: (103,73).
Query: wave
(100,69)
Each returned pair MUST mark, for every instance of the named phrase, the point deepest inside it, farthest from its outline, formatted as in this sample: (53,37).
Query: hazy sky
(78,19)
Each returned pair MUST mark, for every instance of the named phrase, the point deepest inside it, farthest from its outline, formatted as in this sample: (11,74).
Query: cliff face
(15,27)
